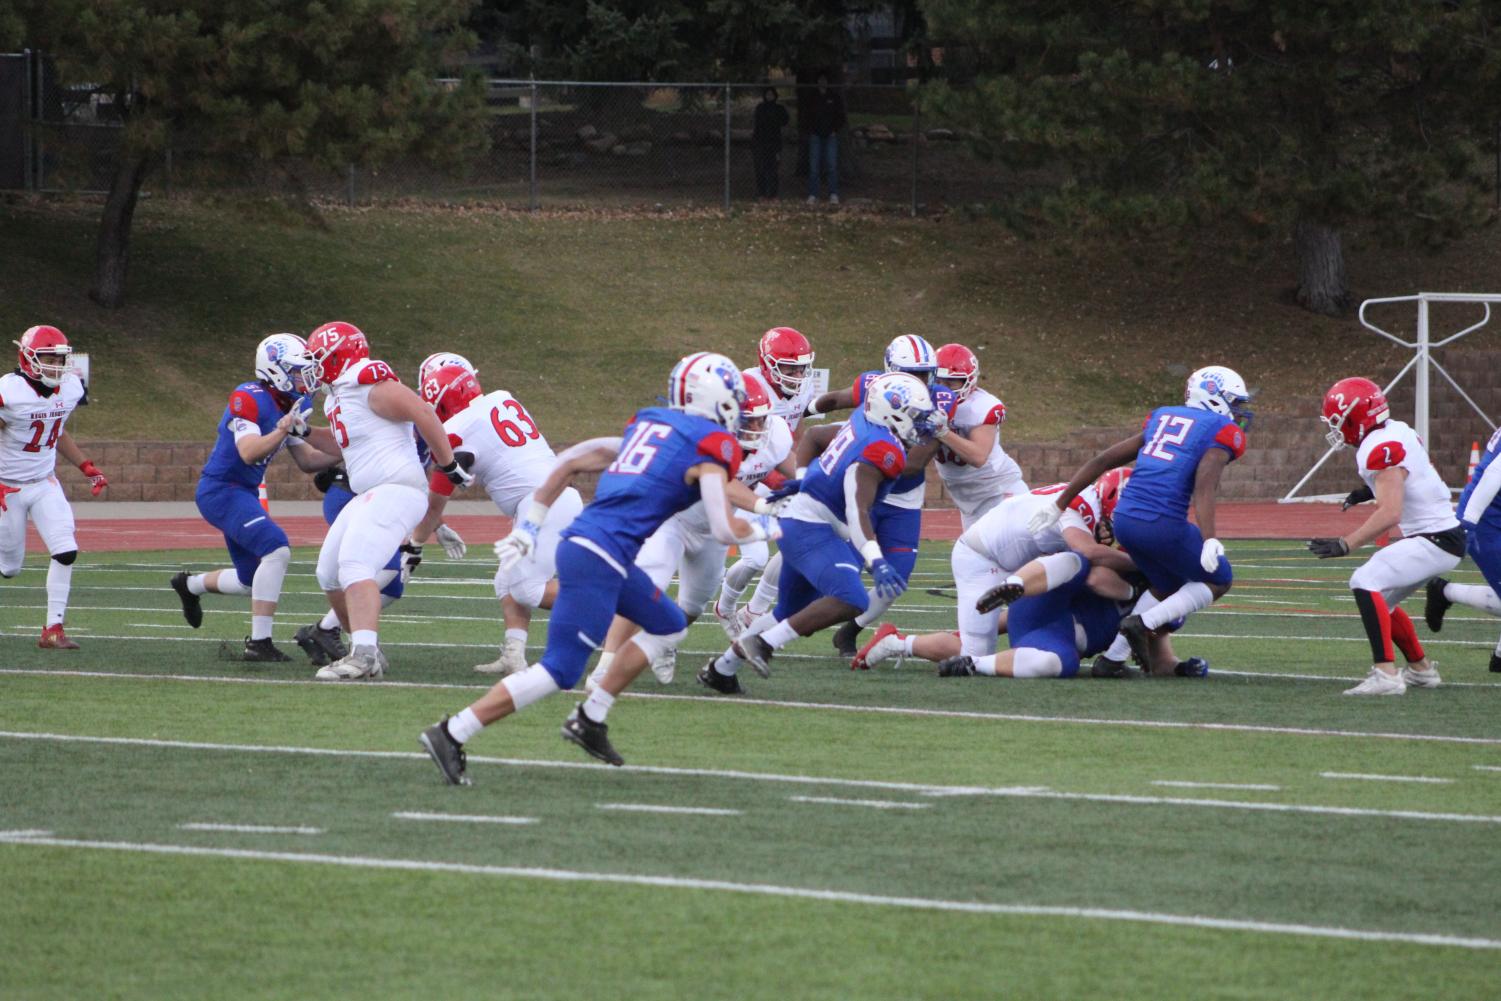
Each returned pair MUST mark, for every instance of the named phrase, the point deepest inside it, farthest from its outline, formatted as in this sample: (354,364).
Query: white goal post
(1421,364)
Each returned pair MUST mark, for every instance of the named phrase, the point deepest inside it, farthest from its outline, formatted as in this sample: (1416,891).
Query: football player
(372,416)
(1179,455)
(669,459)
(1480,513)
(976,471)
(35,402)
(262,416)
(1394,467)
(828,528)
(511,460)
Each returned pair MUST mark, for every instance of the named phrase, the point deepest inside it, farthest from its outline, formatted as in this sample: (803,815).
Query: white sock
(266,584)
(986,665)
(260,627)
(735,580)
(877,609)
(516,636)
(597,705)
(229,583)
(330,622)
(464,726)
(1498,648)
(728,663)
(779,635)
(59,582)
(363,637)
(907,642)
(603,667)
(1474,596)
(1120,650)
(1182,603)
(196,584)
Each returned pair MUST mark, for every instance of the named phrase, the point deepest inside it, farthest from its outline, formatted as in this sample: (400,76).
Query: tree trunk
(114,231)
(1322,287)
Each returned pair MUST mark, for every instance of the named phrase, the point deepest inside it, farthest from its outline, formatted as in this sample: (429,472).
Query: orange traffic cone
(1474,460)
(265,498)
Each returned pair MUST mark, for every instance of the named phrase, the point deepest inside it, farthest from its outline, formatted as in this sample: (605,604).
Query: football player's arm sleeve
(1484,494)
(726,529)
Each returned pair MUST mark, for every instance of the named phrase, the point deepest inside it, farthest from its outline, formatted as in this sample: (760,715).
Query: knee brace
(269,576)
(66,559)
(1029,662)
(655,646)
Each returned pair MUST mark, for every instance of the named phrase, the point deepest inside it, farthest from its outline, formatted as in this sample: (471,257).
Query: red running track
(102,535)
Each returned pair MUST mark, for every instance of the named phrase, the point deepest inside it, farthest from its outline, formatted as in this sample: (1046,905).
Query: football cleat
(1002,594)
(757,651)
(724,684)
(322,646)
(192,606)
(1104,667)
(957,667)
(511,660)
(1414,677)
(729,622)
(1378,682)
(1193,667)
(1137,634)
(1496,663)
(884,645)
(262,652)
(665,666)
(447,753)
(847,639)
(1436,604)
(53,638)
(593,737)
(362,663)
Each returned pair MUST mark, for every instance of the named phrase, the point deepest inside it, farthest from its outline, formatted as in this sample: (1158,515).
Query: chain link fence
(562,144)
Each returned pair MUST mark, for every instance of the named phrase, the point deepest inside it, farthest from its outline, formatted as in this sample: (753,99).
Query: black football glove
(1328,548)
(457,471)
(1359,495)
(323,479)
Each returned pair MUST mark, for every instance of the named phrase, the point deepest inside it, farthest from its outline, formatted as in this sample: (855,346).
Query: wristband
(871,552)
(762,506)
(537,513)
(800,472)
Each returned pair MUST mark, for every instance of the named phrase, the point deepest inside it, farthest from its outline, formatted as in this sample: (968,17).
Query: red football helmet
(1353,408)
(450,389)
(1109,488)
(955,361)
(335,347)
(786,357)
(45,356)
(754,413)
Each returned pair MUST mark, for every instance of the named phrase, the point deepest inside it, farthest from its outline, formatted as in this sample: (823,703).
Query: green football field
(174,824)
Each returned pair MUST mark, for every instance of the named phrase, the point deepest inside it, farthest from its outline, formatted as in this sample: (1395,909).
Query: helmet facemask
(49,366)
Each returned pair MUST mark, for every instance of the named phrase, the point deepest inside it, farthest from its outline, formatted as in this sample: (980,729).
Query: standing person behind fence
(825,110)
(766,144)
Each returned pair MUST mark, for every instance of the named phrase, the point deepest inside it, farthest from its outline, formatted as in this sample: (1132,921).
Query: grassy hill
(582,314)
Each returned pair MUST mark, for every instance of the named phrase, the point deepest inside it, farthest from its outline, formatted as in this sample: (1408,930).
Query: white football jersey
(511,457)
(971,486)
(791,409)
(376,450)
(33,423)
(1425,499)
(1001,536)
(754,467)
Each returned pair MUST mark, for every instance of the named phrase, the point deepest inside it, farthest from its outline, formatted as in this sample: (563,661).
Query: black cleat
(1496,663)
(757,651)
(724,684)
(192,607)
(1105,667)
(447,753)
(262,652)
(1001,594)
(322,646)
(957,667)
(1137,634)
(1193,667)
(847,639)
(1436,605)
(593,737)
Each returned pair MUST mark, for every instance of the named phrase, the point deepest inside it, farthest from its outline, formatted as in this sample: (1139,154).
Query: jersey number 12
(1172,431)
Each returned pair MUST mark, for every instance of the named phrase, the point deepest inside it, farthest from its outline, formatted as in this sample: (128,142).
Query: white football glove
(1209,556)
(452,543)
(1044,518)
(766,528)
(772,508)
(938,425)
(517,546)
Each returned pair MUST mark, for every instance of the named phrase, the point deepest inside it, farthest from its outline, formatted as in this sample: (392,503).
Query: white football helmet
(900,403)
(709,385)
(913,355)
(283,362)
(1219,390)
(437,360)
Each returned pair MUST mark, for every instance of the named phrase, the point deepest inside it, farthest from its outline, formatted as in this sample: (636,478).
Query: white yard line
(250,828)
(1256,786)
(1367,777)
(773,890)
(696,811)
(877,804)
(28,833)
(462,818)
(1487,768)
(1012,792)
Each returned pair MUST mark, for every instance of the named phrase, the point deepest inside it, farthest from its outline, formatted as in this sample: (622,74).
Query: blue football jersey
(1492,517)
(858,441)
(1162,484)
(644,486)
(253,402)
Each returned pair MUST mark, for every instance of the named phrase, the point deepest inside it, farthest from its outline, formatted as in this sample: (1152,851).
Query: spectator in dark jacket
(766,143)
(826,109)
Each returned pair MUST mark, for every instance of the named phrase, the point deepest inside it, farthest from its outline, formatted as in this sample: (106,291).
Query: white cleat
(512,659)
(729,623)
(363,663)
(744,617)
(665,666)
(1416,678)
(1378,682)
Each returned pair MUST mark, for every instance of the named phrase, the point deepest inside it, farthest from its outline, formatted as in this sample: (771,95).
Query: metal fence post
(916,142)
(28,132)
(533,179)
(727,148)
(1420,374)
(349,191)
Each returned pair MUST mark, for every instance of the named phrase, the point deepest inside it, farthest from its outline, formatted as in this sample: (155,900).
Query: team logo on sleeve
(888,461)
(727,450)
(237,404)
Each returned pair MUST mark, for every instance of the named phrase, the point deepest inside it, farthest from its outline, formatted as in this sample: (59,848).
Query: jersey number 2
(1172,431)
(638,451)
(38,428)
(510,432)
